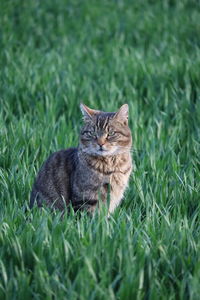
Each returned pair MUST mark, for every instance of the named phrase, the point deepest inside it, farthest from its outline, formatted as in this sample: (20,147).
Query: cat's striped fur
(83,176)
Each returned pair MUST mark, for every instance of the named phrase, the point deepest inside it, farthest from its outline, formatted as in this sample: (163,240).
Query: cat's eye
(111,133)
(90,133)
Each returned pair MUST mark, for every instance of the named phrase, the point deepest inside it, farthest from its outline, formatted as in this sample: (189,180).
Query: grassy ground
(55,54)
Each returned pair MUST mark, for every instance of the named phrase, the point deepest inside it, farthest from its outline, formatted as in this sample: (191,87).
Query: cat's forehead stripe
(102,120)
(106,122)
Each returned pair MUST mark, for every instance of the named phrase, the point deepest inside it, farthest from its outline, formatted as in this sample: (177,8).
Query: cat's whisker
(131,149)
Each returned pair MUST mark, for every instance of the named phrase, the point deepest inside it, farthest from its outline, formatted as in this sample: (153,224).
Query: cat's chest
(99,173)
(98,178)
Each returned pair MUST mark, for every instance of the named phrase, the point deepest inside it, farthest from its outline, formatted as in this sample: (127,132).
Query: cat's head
(105,133)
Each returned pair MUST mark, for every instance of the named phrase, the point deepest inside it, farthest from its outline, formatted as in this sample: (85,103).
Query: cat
(100,165)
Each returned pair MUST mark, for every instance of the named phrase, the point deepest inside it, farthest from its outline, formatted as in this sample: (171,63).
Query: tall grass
(56,54)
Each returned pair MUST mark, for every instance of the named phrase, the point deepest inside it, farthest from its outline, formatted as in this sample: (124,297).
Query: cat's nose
(100,142)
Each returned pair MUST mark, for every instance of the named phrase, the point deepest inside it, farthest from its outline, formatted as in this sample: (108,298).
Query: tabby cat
(83,176)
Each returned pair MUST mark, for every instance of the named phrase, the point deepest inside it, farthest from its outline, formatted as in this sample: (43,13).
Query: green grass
(55,54)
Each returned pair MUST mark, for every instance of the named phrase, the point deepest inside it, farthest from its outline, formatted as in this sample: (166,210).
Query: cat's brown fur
(82,176)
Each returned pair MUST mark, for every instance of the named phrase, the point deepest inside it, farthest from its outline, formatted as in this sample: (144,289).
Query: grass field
(56,54)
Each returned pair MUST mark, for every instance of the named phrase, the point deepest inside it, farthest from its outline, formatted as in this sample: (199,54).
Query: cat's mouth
(102,149)
(106,151)
(103,152)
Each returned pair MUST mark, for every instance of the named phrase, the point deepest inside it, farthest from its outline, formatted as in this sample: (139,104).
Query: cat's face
(105,134)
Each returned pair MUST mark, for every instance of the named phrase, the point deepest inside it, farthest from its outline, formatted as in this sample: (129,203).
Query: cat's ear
(87,112)
(122,114)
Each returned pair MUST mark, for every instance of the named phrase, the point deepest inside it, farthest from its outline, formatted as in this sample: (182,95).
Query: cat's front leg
(118,186)
(90,197)
(85,195)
